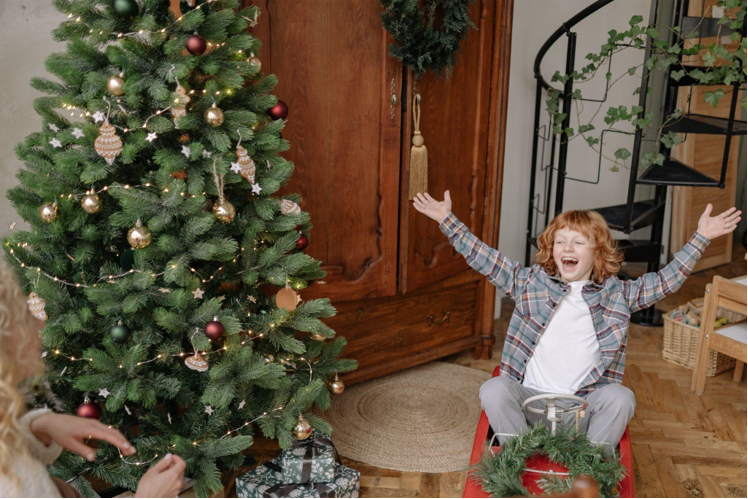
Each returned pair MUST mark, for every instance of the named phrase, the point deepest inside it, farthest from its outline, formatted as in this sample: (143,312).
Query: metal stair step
(699,123)
(643,214)
(673,172)
(639,250)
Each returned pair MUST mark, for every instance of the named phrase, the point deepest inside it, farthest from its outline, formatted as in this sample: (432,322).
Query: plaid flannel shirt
(536,295)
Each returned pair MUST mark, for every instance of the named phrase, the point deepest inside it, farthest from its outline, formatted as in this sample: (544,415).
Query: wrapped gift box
(265,481)
(310,460)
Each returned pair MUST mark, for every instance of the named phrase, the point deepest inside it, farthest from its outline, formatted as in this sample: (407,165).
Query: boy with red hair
(570,324)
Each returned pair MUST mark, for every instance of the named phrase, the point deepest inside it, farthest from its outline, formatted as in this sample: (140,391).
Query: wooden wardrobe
(403,295)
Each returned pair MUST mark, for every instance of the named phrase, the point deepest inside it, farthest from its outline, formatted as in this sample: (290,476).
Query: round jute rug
(422,419)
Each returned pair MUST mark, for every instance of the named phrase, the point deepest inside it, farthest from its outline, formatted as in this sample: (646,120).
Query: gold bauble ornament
(36,306)
(139,236)
(91,203)
(48,212)
(108,145)
(224,211)
(287,298)
(214,116)
(302,429)
(115,85)
(337,386)
(288,207)
(255,61)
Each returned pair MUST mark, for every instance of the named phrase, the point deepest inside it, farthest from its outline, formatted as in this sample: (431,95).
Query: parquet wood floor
(683,445)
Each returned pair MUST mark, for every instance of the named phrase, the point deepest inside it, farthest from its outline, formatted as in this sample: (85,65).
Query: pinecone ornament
(108,145)
(244,166)
(288,207)
(180,108)
(36,306)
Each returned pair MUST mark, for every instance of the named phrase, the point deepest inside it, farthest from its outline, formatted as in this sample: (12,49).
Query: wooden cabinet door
(330,57)
(454,124)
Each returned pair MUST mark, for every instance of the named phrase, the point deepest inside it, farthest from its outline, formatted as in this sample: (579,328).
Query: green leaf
(622,153)
(635,20)
(713,97)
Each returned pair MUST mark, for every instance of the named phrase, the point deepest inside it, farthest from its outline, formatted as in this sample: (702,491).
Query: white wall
(534,21)
(25,42)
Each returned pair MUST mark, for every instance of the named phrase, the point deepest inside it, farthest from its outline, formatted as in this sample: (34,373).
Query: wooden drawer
(389,334)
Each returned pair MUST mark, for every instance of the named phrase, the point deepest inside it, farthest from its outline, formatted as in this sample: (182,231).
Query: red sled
(484,434)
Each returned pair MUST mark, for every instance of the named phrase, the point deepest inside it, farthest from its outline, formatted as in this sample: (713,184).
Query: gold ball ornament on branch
(108,145)
(115,85)
(337,386)
(255,61)
(91,203)
(214,116)
(224,211)
(139,236)
(49,212)
(302,429)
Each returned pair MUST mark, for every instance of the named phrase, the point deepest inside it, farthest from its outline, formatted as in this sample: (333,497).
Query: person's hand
(164,479)
(724,223)
(70,431)
(436,210)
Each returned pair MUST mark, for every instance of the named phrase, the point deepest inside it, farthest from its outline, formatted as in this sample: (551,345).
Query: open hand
(70,432)
(724,223)
(436,210)
(164,479)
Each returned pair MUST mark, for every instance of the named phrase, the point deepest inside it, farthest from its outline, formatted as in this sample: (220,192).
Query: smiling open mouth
(569,263)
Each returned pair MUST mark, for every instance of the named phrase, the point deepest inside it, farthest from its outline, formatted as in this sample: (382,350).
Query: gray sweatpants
(610,409)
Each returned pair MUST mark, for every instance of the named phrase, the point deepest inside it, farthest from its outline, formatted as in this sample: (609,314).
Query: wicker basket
(681,339)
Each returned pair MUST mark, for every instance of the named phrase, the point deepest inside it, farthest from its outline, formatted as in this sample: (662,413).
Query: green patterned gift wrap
(310,460)
(265,481)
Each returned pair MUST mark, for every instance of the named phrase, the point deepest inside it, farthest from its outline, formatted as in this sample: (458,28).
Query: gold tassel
(419,158)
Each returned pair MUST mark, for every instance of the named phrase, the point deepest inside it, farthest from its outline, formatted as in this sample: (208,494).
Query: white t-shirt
(567,349)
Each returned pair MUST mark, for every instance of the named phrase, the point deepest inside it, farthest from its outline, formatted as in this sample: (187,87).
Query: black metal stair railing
(634,214)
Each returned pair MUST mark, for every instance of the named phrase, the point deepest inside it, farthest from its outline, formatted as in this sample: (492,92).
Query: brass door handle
(430,319)
(393,99)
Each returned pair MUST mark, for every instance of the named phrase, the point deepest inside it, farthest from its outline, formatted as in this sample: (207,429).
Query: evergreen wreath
(500,475)
(417,43)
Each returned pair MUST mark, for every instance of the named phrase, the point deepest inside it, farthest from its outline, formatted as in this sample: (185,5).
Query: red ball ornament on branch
(214,329)
(88,410)
(278,111)
(196,45)
(302,242)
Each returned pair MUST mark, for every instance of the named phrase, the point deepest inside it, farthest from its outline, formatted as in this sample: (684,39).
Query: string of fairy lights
(288,361)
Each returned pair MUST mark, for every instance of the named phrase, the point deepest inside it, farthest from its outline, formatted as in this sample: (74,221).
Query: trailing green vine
(664,56)
(420,45)
(501,475)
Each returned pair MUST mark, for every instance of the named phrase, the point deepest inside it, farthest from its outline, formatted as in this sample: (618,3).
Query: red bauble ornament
(88,410)
(196,45)
(278,111)
(214,329)
(302,242)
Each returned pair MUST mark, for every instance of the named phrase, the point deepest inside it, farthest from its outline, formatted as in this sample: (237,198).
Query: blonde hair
(606,257)
(17,330)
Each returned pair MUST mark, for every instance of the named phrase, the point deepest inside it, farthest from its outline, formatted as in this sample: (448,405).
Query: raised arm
(654,286)
(509,276)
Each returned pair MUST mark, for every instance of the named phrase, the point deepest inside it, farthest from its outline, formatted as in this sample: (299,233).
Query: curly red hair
(607,259)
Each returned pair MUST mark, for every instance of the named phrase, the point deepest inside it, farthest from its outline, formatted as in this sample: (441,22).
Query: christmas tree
(168,269)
